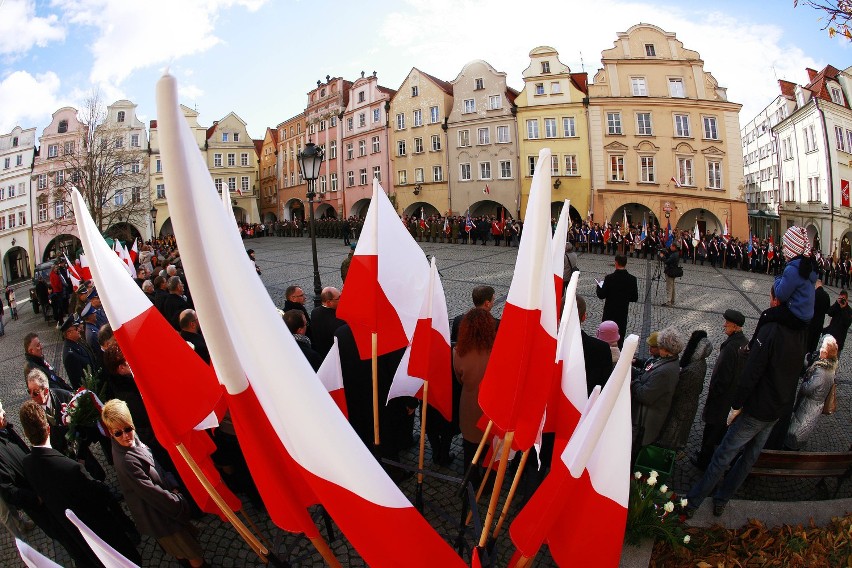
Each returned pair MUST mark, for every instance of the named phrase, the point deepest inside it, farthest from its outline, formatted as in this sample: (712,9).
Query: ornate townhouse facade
(419,141)
(17,151)
(483,143)
(268,174)
(553,113)
(664,139)
(292,136)
(232,161)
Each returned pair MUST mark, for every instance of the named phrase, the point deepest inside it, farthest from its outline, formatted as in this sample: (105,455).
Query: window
(789,190)
(539,88)
(646,169)
(418,117)
(362,148)
(232,160)
(649,50)
(12,191)
(676,88)
(322,125)
(545,67)
(478,84)
(714,175)
(244,184)
(554,165)
(159,164)
(350,151)
(135,167)
(571,165)
(69,148)
(121,116)
(376,145)
(52,150)
(217,161)
(161,188)
(787,148)
(710,132)
(2,222)
(134,140)
(402,176)
(555,88)
(332,178)
(415,90)
(418,175)
(224,137)
(42,181)
(568,129)
(810,138)
(684,171)
(638,86)
(232,184)
(63,127)
(550,128)
(836,95)
(616,168)
(400,121)
(377,173)
(7,163)
(350,123)
(841,140)
(505,169)
(362,119)
(848,140)
(360,96)
(502,134)
(136,195)
(244,160)
(11,220)
(483,136)
(436,143)
(464,138)
(377,115)
(118,198)
(15,142)
(118,142)
(400,148)
(613,123)
(323,185)
(532,129)
(433,114)
(42,212)
(495,102)
(464,172)
(59,177)
(682,125)
(418,145)
(2,192)
(643,124)
(437,173)
(484,170)
(469,106)
(236,136)
(813,189)
(531,164)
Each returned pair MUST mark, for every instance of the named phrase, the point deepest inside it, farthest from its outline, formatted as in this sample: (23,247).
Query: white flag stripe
(609,464)
(109,556)
(404,384)
(330,373)
(32,557)
(569,349)
(306,419)
(559,238)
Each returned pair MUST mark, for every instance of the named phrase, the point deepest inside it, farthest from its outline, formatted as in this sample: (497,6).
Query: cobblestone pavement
(703,294)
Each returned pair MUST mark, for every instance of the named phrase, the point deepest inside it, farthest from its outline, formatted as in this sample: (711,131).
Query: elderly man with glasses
(34,356)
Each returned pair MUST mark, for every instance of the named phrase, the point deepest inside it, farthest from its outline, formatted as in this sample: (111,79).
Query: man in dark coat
(294,299)
(724,380)
(175,303)
(191,333)
(297,324)
(43,296)
(618,290)
(34,355)
(596,353)
(483,297)
(324,321)
(841,318)
(62,484)
(822,303)
(76,355)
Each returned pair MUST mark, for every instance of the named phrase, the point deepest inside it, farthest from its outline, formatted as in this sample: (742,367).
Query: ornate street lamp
(310,160)
(153,222)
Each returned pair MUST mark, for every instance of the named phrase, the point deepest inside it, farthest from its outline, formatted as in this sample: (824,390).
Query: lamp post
(153,222)
(310,160)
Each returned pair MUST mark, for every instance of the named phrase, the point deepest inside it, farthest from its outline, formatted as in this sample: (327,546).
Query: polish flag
(125,257)
(518,379)
(73,274)
(293,419)
(696,234)
(588,487)
(387,280)
(134,252)
(560,236)
(33,558)
(770,253)
(330,375)
(429,354)
(119,252)
(106,554)
(676,182)
(140,330)
(85,272)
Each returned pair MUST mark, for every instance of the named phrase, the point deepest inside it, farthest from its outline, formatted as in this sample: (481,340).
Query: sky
(259,58)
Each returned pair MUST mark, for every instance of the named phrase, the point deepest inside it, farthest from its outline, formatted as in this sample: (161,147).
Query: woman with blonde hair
(150,492)
(812,393)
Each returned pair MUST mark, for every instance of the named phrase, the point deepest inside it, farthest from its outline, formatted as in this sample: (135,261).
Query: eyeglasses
(126,430)
(36,392)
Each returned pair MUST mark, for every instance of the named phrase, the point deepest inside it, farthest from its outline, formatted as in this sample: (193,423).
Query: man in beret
(723,385)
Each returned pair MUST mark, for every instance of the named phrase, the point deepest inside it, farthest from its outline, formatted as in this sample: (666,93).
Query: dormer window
(322,92)
(836,95)
(121,116)
(478,84)
(224,137)
(545,67)
(415,90)
(649,50)
(361,96)
(15,142)
(63,126)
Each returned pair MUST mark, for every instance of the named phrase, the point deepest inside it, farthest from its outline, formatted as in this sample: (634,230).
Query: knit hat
(795,242)
(652,339)
(608,332)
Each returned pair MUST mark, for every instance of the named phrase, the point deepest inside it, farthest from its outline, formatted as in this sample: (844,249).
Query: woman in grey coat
(652,391)
(693,369)
(809,403)
(149,491)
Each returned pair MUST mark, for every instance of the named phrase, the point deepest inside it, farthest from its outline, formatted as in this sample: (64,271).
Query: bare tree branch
(837,15)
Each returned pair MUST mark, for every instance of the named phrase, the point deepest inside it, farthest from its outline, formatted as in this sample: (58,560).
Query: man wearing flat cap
(76,355)
(723,386)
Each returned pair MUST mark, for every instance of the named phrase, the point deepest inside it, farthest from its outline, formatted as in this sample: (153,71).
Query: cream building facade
(232,161)
(17,151)
(665,141)
(268,164)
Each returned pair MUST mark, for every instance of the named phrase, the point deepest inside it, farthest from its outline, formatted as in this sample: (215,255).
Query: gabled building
(17,151)
(365,144)
(232,161)
(483,143)
(419,112)
(162,219)
(664,138)
(552,113)
(815,145)
(292,189)
(268,163)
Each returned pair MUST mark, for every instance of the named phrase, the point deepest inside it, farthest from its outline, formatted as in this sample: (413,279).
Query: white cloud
(41,102)
(21,29)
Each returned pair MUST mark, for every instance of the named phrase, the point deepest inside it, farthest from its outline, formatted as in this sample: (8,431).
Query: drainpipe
(591,212)
(828,173)
(513,109)
(445,127)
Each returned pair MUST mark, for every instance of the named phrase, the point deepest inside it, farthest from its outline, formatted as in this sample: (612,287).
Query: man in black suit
(618,290)
(298,325)
(191,333)
(483,297)
(76,355)
(324,321)
(175,303)
(596,353)
(62,484)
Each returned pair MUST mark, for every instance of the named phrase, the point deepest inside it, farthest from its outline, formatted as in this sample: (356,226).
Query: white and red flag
(560,236)
(330,375)
(386,282)
(518,379)
(588,486)
(84,271)
(73,273)
(33,558)
(290,416)
(134,252)
(429,354)
(140,330)
(109,556)
(676,182)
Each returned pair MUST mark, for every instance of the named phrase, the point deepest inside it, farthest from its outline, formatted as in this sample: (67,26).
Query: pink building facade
(326,106)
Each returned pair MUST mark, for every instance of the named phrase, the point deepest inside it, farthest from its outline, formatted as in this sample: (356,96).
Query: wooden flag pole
(498,482)
(523,561)
(375,362)
(325,551)
(484,481)
(250,539)
(511,494)
(423,432)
